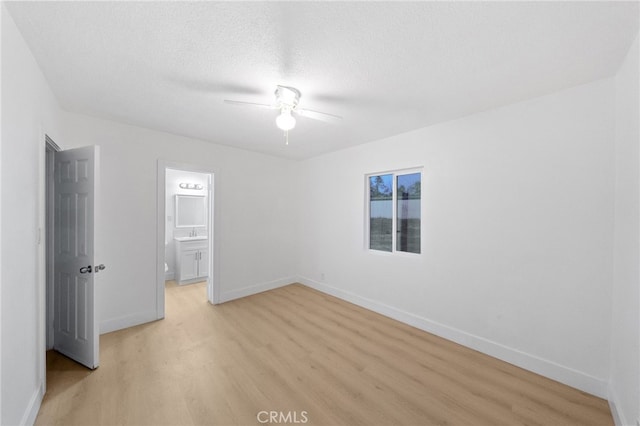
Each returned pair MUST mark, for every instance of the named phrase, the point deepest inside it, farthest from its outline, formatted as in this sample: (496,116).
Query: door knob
(100,267)
(85,269)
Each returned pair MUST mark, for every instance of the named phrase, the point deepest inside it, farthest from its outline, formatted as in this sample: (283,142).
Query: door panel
(203,263)
(75,190)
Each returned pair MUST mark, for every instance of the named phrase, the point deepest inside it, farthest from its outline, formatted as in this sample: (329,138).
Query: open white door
(76,333)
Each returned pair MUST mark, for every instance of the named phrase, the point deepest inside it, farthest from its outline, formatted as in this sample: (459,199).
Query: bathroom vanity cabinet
(192,259)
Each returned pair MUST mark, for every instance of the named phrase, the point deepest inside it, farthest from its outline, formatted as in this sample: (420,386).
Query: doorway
(185,229)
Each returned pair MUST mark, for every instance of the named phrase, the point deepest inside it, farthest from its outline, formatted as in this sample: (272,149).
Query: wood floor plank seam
(410,378)
(462,365)
(294,349)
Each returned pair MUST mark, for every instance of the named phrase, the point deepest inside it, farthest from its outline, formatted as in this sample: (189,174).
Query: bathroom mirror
(190,211)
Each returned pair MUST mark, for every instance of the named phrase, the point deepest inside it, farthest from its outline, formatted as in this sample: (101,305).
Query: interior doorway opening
(186,212)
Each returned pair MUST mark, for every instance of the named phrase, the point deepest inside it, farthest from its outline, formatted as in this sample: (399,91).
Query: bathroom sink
(198,238)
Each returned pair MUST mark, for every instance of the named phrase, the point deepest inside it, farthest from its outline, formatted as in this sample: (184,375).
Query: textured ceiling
(386,67)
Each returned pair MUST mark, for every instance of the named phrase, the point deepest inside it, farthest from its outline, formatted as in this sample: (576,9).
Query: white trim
(127,321)
(160,236)
(30,414)
(618,416)
(213,281)
(97,251)
(550,369)
(41,278)
(255,289)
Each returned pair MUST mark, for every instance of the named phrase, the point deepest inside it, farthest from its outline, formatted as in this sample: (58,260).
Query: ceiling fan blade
(252,104)
(317,115)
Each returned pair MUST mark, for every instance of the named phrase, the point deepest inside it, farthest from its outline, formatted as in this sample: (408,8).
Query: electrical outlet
(322,278)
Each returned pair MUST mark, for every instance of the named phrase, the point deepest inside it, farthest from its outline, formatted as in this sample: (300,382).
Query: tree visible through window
(394,211)
(381,212)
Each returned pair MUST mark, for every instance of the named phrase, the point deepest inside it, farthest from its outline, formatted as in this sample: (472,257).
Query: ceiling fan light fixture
(285,121)
(286,101)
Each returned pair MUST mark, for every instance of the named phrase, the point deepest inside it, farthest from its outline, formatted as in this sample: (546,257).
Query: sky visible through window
(381,187)
(409,183)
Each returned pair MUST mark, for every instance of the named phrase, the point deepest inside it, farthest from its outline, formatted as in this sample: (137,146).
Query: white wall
(625,330)
(28,112)
(518,219)
(251,190)
(172,181)
(2,20)
(518,251)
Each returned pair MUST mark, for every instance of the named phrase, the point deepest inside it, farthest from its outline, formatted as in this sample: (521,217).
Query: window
(394,211)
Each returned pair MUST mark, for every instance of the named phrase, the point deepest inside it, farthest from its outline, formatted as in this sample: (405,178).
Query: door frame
(50,149)
(44,234)
(213,290)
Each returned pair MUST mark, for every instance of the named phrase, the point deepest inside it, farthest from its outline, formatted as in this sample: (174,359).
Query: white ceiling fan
(287,100)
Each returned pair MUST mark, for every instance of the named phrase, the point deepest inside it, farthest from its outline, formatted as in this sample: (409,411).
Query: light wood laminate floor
(294,349)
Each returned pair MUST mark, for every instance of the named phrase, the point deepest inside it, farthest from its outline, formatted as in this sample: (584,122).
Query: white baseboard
(168,276)
(127,321)
(618,416)
(30,414)
(254,289)
(552,370)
